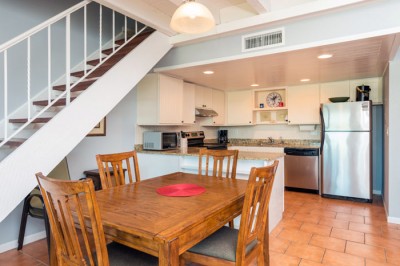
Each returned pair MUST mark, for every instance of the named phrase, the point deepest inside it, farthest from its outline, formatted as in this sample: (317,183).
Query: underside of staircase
(91,100)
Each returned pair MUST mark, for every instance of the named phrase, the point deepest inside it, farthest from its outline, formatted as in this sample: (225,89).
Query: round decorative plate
(181,190)
(273,99)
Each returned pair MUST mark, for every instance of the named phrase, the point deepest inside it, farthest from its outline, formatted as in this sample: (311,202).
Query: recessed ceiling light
(325,56)
(254,85)
(305,80)
(208,72)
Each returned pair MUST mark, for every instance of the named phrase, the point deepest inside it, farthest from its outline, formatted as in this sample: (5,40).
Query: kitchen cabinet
(269,106)
(303,104)
(348,89)
(333,89)
(160,100)
(240,107)
(375,84)
(188,111)
(203,96)
(218,105)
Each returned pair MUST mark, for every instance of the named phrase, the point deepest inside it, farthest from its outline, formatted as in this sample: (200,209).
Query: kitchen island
(154,163)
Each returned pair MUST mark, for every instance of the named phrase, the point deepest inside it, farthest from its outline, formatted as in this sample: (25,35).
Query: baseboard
(28,239)
(393,220)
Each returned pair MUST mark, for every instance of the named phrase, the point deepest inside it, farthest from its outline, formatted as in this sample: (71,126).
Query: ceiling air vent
(265,39)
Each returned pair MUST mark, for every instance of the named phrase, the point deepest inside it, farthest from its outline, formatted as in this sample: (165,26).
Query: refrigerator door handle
(322,130)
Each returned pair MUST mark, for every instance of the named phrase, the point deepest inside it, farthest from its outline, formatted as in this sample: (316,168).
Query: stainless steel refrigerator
(346,136)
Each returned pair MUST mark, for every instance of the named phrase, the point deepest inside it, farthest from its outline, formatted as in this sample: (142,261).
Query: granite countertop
(284,145)
(193,151)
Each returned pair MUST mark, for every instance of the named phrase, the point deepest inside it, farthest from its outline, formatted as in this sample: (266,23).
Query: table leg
(169,253)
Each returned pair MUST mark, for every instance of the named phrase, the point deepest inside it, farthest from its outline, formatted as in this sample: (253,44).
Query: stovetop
(196,139)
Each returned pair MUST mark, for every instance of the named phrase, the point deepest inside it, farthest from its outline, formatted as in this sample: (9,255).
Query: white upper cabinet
(218,104)
(203,96)
(188,111)
(240,107)
(348,88)
(303,104)
(159,100)
(334,89)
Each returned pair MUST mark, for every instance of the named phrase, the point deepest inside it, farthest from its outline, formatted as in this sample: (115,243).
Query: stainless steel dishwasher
(302,169)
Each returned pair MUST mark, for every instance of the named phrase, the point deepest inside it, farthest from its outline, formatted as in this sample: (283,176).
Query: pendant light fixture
(192,18)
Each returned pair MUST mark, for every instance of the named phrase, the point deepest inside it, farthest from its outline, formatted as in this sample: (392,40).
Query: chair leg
(22,227)
(231,224)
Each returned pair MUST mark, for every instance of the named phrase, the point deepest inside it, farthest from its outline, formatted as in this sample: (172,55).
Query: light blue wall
(120,136)
(393,145)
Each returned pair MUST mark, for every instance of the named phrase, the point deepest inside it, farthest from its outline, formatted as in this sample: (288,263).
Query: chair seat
(120,255)
(222,244)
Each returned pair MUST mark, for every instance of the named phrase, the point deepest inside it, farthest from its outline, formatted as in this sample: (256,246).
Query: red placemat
(181,190)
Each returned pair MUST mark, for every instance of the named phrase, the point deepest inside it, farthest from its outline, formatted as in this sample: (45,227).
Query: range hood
(202,112)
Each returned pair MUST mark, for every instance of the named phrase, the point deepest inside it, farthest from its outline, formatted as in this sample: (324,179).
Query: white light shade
(192,18)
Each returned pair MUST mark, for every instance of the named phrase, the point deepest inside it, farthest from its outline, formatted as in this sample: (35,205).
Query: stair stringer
(57,138)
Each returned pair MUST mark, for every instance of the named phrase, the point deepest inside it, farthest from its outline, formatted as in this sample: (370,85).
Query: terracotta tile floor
(314,231)
(321,231)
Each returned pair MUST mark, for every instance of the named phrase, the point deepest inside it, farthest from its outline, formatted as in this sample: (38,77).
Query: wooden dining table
(163,226)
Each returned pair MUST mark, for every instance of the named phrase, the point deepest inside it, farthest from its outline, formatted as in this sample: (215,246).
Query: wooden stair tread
(115,58)
(83,85)
(60,102)
(24,120)
(13,142)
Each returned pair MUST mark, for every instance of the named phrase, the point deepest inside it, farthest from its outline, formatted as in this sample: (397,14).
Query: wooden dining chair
(229,246)
(66,202)
(219,157)
(216,168)
(112,168)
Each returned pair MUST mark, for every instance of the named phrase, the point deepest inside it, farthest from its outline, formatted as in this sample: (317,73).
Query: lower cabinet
(151,165)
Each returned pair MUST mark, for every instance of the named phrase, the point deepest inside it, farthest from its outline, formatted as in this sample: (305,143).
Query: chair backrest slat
(253,224)
(219,157)
(118,162)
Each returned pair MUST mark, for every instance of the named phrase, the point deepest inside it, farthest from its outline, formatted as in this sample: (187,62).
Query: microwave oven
(160,140)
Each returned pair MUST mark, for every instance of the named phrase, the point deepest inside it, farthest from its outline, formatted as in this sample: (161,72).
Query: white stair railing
(47,28)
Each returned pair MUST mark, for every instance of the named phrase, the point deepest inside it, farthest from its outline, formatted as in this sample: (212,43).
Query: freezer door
(346,165)
(348,116)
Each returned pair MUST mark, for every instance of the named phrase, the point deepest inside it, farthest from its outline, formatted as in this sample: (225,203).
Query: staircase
(74,108)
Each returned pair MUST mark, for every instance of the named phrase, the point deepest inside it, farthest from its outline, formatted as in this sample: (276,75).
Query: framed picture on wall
(99,129)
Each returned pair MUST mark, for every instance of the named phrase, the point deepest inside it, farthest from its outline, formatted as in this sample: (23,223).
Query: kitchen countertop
(194,151)
(287,143)
(284,145)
